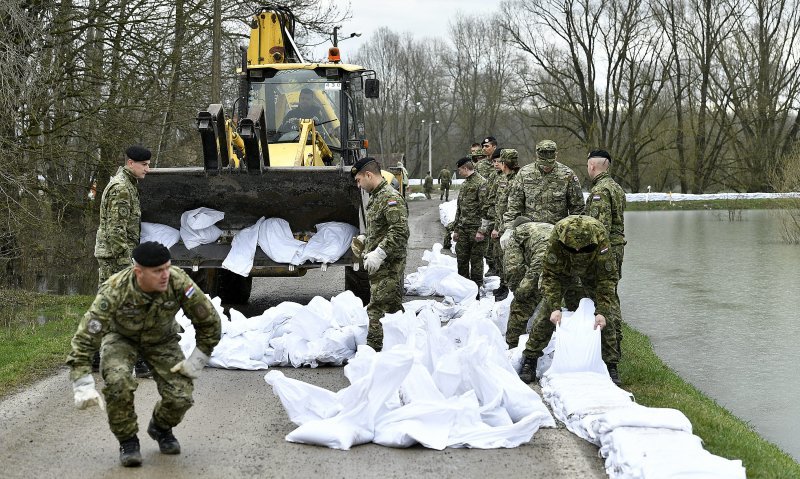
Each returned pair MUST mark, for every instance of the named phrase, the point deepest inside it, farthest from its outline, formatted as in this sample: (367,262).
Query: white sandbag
(277,242)
(362,402)
(641,416)
(164,234)
(458,287)
(198,226)
(330,243)
(447,212)
(425,422)
(243,250)
(302,401)
(578,342)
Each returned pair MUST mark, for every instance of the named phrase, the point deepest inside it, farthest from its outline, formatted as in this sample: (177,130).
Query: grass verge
(35,333)
(655,385)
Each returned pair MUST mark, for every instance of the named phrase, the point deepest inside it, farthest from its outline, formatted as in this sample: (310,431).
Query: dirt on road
(237,425)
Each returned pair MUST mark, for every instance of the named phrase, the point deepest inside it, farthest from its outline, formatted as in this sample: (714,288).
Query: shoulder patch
(604,251)
(391,203)
(189,292)
(103,305)
(551,258)
(575,178)
(596,197)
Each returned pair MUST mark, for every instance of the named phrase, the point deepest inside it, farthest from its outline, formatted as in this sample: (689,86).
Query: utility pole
(430,144)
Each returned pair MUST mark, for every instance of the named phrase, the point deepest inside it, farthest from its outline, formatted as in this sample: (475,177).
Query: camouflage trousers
(428,192)
(444,189)
(542,329)
(108,266)
(526,297)
(469,255)
(619,253)
(118,357)
(386,296)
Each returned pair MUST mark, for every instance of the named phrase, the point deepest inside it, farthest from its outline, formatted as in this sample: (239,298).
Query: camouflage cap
(546,150)
(520,220)
(510,157)
(579,232)
(476,153)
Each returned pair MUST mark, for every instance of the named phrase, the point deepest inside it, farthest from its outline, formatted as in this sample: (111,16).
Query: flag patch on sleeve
(392,203)
(189,291)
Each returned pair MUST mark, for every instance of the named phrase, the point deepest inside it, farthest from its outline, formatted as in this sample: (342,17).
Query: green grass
(731,204)
(655,385)
(35,333)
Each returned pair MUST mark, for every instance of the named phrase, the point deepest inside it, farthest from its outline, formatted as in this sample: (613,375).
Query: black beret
(151,253)
(462,161)
(599,154)
(489,139)
(137,153)
(360,164)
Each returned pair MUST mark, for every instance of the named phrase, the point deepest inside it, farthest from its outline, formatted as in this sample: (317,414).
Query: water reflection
(717,298)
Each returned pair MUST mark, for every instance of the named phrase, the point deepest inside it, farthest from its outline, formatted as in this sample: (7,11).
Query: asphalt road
(237,425)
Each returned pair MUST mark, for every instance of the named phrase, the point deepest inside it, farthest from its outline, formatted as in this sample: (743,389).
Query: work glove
(193,365)
(505,238)
(85,393)
(374,259)
(486,226)
(357,245)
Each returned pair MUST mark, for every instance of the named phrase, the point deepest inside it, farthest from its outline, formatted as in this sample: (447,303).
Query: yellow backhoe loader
(300,128)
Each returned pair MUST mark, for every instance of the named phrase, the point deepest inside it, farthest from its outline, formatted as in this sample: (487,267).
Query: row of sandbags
(273,235)
(637,442)
(438,386)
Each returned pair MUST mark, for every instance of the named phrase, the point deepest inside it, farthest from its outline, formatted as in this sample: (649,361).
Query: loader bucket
(303,196)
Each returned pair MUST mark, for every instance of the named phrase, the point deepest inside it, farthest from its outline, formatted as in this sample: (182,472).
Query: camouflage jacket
(120,218)
(606,202)
(445,177)
(544,197)
(502,188)
(146,319)
(471,205)
(387,222)
(596,270)
(485,168)
(491,198)
(524,254)
(428,183)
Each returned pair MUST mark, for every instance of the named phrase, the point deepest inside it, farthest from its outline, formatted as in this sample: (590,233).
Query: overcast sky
(421,17)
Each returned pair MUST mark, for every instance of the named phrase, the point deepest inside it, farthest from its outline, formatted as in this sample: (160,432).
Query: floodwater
(719,300)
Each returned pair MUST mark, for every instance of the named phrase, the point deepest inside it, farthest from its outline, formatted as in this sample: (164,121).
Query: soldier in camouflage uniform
(545,190)
(470,214)
(120,224)
(578,256)
(507,165)
(427,185)
(445,177)
(524,255)
(485,159)
(384,247)
(134,314)
(606,202)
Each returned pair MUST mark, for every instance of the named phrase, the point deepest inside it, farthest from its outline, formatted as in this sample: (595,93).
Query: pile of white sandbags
(637,442)
(322,332)
(437,386)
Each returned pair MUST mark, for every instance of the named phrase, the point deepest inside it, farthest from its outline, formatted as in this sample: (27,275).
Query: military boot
(501,293)
(167,443)
(129,455)
(612,371)
(528,372)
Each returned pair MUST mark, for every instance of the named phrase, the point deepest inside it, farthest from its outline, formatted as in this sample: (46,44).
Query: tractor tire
(357,282)
(234,289)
